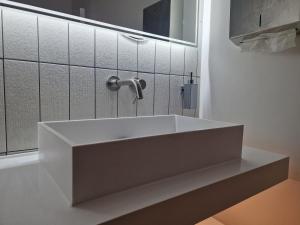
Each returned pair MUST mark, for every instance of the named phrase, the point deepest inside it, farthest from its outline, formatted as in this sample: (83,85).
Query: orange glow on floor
(210,221)
(279,205)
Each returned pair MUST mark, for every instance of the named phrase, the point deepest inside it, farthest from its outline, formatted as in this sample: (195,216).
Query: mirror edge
(47,12)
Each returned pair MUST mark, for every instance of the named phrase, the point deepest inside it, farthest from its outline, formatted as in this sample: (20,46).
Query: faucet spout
(138,85)
(134,84)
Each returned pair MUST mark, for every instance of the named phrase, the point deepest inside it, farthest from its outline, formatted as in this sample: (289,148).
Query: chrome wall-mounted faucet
(138,85)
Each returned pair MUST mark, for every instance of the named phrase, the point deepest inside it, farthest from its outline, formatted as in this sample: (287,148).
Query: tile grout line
(196,82)
(169,103)
(154,79)
(74,65)
(95,74)
(39,70)
(117,72)
(4,89)
(197,73)
(22,151)
(69,68)
(182,93)
(137,67)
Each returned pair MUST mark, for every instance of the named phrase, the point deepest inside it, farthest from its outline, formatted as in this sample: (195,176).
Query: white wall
(261,91)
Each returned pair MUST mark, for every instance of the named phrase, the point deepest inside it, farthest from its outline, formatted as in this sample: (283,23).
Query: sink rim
(126,139)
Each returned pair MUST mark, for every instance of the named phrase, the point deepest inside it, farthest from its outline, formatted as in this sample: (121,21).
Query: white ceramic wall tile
(81,45)
(106,48)
(191,60)
(145,106)
(1,37)
(146,56)
(190,112)
(53,40)
(175,107)
(2,112)
(162,59)
(161,94)
(22,104)
(82,93)
(20,35)
(112,50)
(126,97)
(127,53)
(177,59)
(54,85)
(106,100)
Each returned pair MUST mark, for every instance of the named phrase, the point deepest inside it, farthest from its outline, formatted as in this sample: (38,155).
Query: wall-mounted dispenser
(190,94)
(250,19)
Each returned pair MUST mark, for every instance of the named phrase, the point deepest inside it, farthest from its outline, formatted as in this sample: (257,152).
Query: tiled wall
(54,69)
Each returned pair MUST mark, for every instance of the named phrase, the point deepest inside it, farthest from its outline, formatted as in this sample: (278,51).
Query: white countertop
(28,196)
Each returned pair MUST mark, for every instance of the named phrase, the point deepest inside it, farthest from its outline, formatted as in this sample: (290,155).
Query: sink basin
(91,158)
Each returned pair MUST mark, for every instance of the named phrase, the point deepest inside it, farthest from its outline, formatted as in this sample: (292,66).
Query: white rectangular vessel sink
(92,158)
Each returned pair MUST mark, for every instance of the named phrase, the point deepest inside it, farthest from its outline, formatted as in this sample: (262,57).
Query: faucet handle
(142,83)
(112,83)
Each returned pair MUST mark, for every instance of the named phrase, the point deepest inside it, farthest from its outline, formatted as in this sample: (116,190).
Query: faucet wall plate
(112,83)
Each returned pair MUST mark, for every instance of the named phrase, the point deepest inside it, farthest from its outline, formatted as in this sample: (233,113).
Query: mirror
(176,19)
